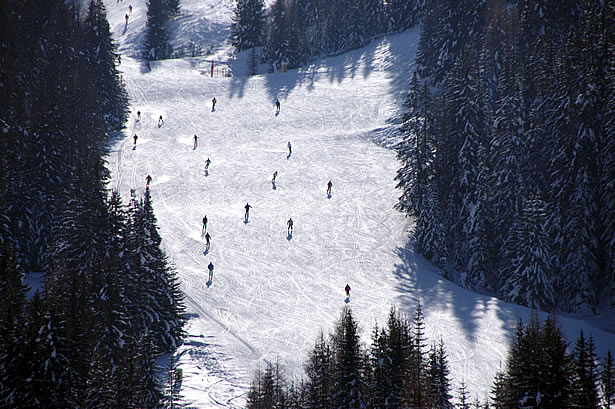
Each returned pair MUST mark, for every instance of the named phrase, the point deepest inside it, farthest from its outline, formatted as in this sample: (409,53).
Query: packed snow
(273,292)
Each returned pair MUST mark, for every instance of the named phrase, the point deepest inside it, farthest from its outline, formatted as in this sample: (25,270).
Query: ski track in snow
(273,293)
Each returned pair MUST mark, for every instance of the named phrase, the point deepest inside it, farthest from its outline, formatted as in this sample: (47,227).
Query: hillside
(272,293)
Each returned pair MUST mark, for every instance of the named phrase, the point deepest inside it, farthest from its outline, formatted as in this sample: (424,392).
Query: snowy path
(272,293)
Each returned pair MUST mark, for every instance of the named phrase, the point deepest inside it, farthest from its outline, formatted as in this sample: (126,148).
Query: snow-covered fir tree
(248,26)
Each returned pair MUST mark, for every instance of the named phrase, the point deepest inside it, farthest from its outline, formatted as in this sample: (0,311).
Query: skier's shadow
(206,251)
(134,148)
(328,195)
(208,283)
(288,156)
(206,173)
(347,300)
(213,109)
(277,113)
(246,221)
(289,236)
(273,185)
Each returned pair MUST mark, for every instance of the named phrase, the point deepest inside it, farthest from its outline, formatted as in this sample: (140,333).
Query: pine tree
(438,378)
(607,379)
(530,283)
(417,364)
(157,35)
(554,361)
(463,396)
(585,374)
(248,26)
(319,372)
(348,385)
(102,55)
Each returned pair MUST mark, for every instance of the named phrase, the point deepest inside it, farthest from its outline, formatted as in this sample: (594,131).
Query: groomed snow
(273,293)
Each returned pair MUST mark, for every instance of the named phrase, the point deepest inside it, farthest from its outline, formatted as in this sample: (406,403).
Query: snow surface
(273,293)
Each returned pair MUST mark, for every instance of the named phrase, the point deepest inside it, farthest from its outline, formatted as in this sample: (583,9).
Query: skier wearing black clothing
(204,222)
(213,104)
(329,185)
(347,289)
(290,148)
(247,207)
(290,225)
(207,239)
(135,139)
(148,179)
(207,162)
(196,141)
(277,105)
(275,175)
(160,120)
(210,267)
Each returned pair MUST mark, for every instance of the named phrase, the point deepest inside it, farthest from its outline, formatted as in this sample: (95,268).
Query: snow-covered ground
(272,293)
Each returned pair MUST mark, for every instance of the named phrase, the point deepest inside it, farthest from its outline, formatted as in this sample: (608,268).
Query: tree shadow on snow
(421,281)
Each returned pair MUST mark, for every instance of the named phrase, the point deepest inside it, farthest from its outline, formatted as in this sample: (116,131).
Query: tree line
(399,370)
(109,302)
(508,155)
(295,31)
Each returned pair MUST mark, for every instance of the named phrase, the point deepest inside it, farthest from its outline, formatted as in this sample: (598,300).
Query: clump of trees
(507,158)
(294,31)
(110,301)
(400,370)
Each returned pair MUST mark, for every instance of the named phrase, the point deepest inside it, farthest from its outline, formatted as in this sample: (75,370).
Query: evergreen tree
(438,378)
(607,381)
(348,385)
(530,283)
(319,371)
(585,374)
(102,55)
(157,34)
(463,396)
(248,26)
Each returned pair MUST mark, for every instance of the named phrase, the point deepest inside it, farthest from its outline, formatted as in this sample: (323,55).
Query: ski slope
(272,293)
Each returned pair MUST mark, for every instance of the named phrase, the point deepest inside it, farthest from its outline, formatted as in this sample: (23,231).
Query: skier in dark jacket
(247,207)
(205,223)
(210,267)
(329,185)
(290,225)
(347,289)
(148,179)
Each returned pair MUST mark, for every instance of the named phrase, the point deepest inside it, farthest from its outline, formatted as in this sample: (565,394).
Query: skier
(135,138)
(329,185)
(213,104)
(347,289)
(275,175)
(210,267)
(138,115)
(247,207)
(207,239)
(277,105)
(160,120)
(290,148)
(207,162)
(148,179)
(205,223)
(196,141)
(149,67)
(130,9)
(290,225)
(126,19)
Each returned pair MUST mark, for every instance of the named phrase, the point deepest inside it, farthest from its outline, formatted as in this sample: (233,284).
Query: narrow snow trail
(272,293)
